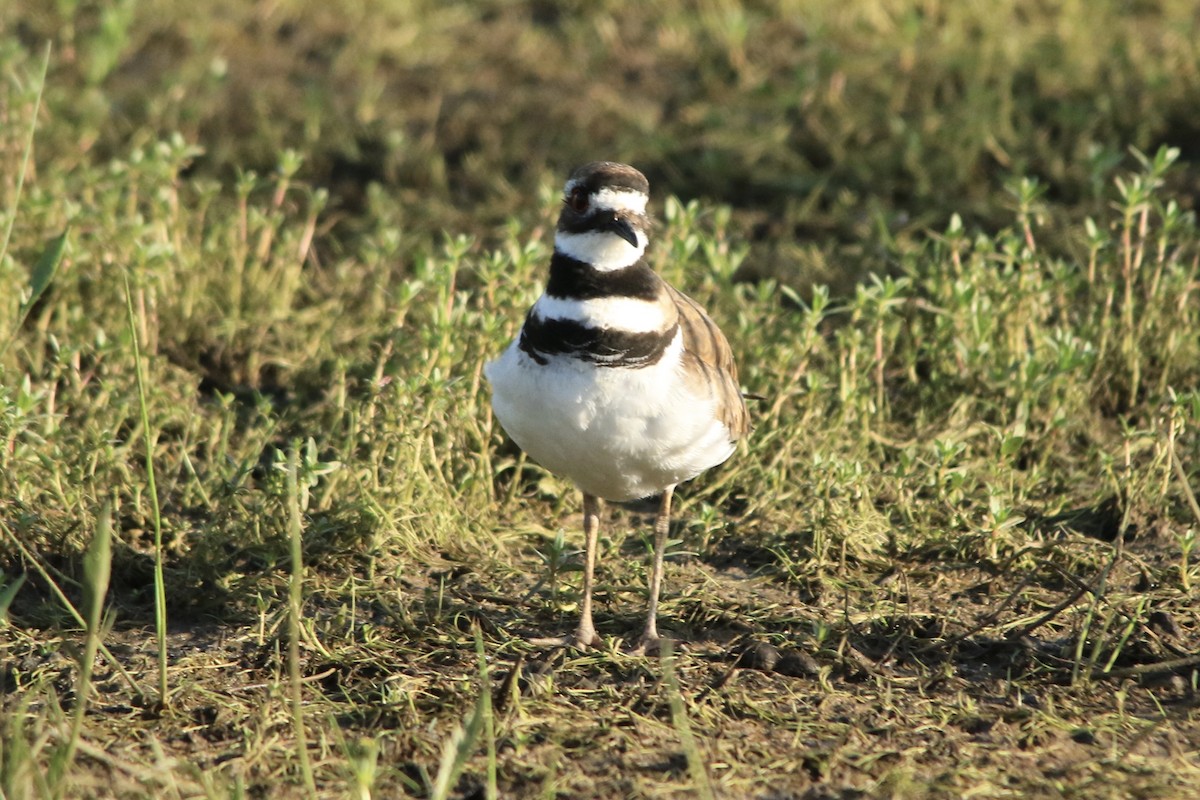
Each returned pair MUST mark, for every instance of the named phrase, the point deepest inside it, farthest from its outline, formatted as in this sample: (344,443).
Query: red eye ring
(578,200)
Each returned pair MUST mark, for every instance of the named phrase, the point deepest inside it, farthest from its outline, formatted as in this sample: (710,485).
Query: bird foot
(648,645)
(582,639)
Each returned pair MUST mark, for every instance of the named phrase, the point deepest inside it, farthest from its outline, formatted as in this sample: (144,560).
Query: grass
(160,597)
(954,249)
(296,505)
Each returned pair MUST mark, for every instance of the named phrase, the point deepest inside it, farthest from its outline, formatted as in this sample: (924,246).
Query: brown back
(709,364)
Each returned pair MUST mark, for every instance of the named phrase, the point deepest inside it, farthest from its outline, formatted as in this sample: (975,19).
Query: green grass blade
(461,743)
(295,610)
(32,559)
(160,591)
(97,568)
(24,170)
(7,594)
(491,789)
(43,273)
(700,782)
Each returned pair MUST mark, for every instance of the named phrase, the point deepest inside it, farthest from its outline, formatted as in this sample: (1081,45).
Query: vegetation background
(261,537)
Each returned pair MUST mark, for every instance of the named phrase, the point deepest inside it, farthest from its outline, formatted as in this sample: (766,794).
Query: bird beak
(621,227)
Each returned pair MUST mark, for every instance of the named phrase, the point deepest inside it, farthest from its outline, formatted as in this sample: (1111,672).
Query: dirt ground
(917,678)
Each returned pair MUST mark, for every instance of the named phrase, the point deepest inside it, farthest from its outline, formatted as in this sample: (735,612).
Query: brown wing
(708,363)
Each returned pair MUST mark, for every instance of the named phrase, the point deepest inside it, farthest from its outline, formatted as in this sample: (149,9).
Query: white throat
(603,250)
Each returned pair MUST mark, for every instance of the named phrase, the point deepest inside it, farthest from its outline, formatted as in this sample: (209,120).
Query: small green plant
(556,557)
(362,758)
(1187,543)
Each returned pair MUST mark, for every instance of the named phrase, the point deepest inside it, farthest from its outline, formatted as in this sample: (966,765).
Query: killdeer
(616,380)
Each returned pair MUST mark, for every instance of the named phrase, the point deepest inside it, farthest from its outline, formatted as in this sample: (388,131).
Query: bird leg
(662,525)
(585,634)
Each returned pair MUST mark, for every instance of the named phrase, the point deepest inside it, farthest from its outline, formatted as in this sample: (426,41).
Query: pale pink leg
(662,525)
(585,634)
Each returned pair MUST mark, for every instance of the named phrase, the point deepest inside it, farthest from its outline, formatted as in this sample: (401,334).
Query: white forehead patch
(630,201)
(604,250)
(627,200)
(613,313)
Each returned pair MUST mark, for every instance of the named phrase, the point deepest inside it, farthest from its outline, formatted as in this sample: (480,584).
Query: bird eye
(578,200)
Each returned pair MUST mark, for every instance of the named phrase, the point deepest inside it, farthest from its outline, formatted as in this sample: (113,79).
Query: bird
(616,380)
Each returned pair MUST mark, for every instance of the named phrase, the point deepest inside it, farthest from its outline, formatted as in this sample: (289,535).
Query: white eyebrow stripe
(612,313)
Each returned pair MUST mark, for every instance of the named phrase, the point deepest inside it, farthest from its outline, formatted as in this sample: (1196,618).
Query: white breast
(618,433)
(618,313)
